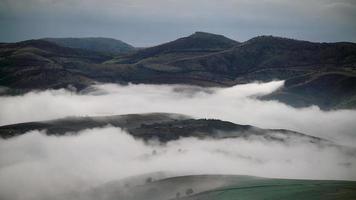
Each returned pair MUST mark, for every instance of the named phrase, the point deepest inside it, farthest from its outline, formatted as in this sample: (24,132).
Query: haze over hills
(118,156)
(320,74)
(180,137)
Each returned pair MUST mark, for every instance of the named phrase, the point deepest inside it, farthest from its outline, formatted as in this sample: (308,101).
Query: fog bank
(236,104)
(36,166)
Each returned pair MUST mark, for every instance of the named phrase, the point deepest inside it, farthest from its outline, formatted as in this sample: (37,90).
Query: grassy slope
(38,64)
(227,187)
(327,90)
(272,189)
(316,73)
(199,43)
(107,45)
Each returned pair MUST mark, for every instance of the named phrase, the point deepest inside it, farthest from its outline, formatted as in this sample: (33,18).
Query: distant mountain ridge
(98,44)
(268,52)
(320,74)
(269,58)
(199,43)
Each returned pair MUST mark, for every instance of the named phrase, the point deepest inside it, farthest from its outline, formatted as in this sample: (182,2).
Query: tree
(149,180)
(189,191)
(177,195)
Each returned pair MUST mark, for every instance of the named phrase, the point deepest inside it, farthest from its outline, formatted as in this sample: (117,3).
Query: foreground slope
(221,187)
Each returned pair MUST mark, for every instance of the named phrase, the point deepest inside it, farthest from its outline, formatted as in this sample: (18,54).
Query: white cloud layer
(35,166)
(236,104)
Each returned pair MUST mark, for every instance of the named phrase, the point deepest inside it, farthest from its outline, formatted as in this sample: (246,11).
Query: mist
(238,104)
(36,166)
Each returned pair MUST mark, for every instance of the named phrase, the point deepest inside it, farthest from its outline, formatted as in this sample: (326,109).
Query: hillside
(164,127)
(267,58)
(321,74)
(98,44)
(38,64)
(211,187)
(199,43)
(327,90)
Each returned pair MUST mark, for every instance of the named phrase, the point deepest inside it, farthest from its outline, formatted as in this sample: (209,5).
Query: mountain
(325,89)
(321,74)
(199,43)
(98,44)
(267,58)
(38,64)
(164,127)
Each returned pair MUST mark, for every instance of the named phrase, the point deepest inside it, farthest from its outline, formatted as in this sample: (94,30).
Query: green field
(272,189)
(226,187)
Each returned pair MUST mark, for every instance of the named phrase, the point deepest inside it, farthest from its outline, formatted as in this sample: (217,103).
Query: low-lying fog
(36,166)
(236,104)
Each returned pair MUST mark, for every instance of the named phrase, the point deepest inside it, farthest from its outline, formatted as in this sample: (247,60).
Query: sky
(151,22)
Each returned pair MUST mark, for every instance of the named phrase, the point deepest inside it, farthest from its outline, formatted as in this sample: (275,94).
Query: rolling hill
(321,74)
(163,127)
(98,44)
(199,43)
(211,187)
(38,64)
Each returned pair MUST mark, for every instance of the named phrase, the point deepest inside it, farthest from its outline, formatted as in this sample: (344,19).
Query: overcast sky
(150,22)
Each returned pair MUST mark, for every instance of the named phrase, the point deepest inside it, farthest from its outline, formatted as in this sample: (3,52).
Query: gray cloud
(151,22)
